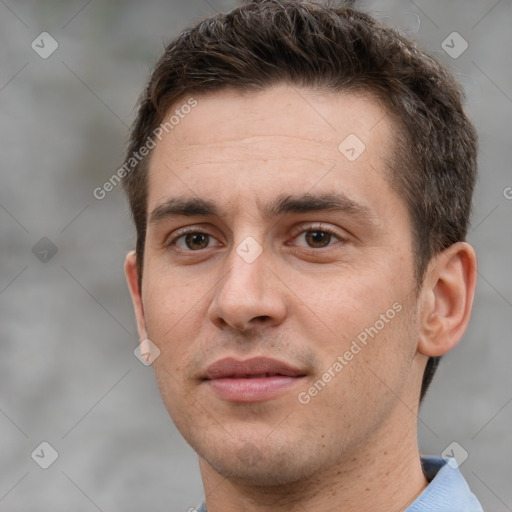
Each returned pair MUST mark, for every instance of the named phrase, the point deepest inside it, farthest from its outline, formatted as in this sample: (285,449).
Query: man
(300,178)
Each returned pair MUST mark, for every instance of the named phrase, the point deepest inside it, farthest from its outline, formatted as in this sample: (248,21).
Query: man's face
(302,249)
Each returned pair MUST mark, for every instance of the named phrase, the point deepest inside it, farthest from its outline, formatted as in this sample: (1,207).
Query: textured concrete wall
(68,375)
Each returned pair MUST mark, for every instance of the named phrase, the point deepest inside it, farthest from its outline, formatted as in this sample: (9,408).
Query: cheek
(175,310)
(366,321)
(348,302)
(360,380)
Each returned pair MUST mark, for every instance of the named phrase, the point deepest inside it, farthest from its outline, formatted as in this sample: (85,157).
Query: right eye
(191,241)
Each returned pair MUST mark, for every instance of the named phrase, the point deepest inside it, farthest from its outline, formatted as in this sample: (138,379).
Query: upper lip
(230,367)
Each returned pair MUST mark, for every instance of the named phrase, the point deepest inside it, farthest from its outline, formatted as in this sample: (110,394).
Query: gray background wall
(68,375)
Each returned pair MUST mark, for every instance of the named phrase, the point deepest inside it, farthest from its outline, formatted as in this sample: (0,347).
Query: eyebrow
(283,204)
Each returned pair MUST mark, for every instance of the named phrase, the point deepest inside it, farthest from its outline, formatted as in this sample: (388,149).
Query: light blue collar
(447,490)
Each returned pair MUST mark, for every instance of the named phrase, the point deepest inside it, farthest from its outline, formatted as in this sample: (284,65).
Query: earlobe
(132,277)
(447,299)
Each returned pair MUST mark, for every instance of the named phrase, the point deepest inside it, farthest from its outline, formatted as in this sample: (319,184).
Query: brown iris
(318,238)
(201,239)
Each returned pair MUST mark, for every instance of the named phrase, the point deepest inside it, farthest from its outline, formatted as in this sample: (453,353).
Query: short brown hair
(331,48)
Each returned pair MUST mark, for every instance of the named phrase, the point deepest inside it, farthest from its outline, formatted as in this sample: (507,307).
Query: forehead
(282,139)
(309,113)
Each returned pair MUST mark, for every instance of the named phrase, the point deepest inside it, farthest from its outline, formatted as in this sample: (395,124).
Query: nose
(248,294)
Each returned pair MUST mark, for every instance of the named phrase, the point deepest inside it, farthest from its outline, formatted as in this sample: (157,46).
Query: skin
(354,445)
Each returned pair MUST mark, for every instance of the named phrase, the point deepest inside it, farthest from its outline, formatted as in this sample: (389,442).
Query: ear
(132,276)
(447,297)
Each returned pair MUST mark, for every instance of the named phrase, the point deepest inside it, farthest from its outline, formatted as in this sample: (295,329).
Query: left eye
(317,238)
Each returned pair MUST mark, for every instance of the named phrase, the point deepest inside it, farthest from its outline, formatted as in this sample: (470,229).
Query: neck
(384,475)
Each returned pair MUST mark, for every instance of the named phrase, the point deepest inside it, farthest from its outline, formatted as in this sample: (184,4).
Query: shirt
(447,490)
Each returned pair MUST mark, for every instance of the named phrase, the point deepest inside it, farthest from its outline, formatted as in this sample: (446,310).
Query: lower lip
(257,389)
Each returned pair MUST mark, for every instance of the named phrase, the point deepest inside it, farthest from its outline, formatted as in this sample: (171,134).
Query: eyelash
(296,232)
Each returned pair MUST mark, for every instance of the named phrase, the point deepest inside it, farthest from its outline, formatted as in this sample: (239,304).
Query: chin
(264,466)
